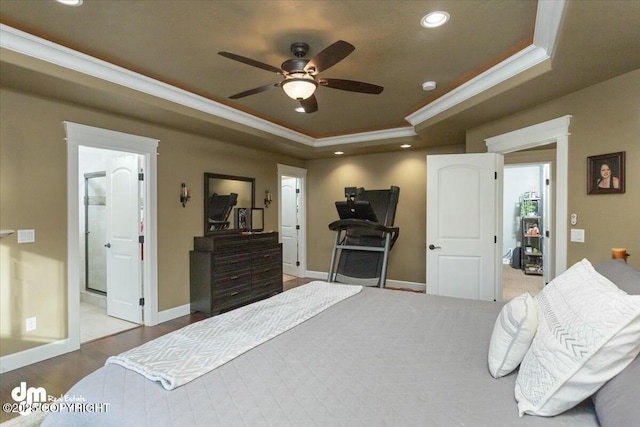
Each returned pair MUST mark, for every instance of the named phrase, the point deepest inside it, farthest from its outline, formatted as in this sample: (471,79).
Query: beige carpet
(515,282)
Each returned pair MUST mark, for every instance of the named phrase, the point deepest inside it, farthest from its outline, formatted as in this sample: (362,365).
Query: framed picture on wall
(605,173)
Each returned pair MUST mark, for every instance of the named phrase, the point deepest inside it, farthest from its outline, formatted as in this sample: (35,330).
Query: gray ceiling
(176,42)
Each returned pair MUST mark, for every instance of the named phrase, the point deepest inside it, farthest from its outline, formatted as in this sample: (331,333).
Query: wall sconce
(267,198)
(184,194)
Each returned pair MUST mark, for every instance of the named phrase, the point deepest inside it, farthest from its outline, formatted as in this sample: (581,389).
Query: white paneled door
(289,225)
(464,209)
(124,288)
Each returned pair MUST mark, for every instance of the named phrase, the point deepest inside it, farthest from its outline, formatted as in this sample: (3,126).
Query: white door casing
(463,212)
(538,135)
(289,225)
(123,248)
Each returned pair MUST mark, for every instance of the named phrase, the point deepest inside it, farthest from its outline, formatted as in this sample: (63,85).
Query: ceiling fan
(301,75)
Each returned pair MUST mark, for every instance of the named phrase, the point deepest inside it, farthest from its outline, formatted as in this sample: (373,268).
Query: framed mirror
(223,194)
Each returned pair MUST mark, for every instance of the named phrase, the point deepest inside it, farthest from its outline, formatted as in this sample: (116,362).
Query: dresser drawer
(266,256)
(231,280)
(230,261)
(267,288)
(221,243)
(266,272)
(232,299)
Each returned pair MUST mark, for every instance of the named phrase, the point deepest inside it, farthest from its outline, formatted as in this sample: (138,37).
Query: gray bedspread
(381,357)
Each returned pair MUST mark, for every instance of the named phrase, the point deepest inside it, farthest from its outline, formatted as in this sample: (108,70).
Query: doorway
(526,218)
(291,220)
(96,319)
(81,137)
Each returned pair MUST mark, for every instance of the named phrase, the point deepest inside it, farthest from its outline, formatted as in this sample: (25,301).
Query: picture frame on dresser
(257,219)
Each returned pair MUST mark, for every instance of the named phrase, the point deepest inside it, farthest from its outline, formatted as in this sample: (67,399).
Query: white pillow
(512,335)
(589,331)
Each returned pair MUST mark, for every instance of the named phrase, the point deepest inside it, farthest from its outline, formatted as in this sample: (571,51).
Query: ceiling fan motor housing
(294,65)
(299,49)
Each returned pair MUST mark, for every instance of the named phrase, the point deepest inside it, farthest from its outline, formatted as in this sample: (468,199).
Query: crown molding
(510,67)
(377,135)
(548,18)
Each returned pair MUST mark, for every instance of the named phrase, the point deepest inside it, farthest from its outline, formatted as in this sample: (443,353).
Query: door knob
(108,245)
(431,247)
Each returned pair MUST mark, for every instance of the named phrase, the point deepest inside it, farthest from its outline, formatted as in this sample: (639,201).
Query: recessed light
(339,153)
(431,85)
(434,19)
(405,146)
(70,2)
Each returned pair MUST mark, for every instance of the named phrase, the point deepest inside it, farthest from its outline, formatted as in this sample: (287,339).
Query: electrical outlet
(31,324)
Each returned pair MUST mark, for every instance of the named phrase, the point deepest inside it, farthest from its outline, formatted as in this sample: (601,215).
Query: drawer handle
(267,256)
(233,294)
(235,277)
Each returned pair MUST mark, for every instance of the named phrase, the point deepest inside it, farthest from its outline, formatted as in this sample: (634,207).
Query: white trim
(556,130)
(415,286)
(405,132)
(548,19)
(83,135)
(300,173)
(510,67)
(34,355)
(174,313)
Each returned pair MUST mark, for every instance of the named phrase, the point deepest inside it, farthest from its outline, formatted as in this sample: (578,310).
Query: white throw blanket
(184,355)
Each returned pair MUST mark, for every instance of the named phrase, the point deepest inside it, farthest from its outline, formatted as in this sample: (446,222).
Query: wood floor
(58,374)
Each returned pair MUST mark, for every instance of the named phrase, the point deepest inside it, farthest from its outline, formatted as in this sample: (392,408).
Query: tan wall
(327,179)
(606,119)
(33,277)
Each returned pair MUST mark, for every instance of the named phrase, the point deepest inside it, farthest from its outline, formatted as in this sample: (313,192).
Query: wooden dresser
(228,270)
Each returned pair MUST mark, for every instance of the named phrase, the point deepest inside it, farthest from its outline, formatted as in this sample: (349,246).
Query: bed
(377,357)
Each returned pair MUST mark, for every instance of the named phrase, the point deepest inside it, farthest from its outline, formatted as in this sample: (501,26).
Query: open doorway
(553,132)
(526,220)
(291,223)
(138,151)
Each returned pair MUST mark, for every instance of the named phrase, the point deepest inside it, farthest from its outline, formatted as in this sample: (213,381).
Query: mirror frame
(207,177)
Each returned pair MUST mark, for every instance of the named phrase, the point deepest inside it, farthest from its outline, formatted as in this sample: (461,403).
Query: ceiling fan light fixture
(299,87)
(434,19)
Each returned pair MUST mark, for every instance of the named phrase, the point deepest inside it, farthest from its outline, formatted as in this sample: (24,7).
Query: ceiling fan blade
(351,85)
(254,91)
(251,62)
(330,56)
(310,104)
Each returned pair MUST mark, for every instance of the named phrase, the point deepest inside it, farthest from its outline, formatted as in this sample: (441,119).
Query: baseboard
(174,313)
(34,355)
(414,286)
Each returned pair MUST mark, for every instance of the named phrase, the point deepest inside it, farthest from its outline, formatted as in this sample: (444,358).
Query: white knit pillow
(589,331)
(512,335)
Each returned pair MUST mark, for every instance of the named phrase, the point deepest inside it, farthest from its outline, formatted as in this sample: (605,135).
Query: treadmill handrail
(343,224)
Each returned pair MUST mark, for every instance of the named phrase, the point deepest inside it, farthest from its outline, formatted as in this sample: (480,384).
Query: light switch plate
(577,235)
(26,236)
